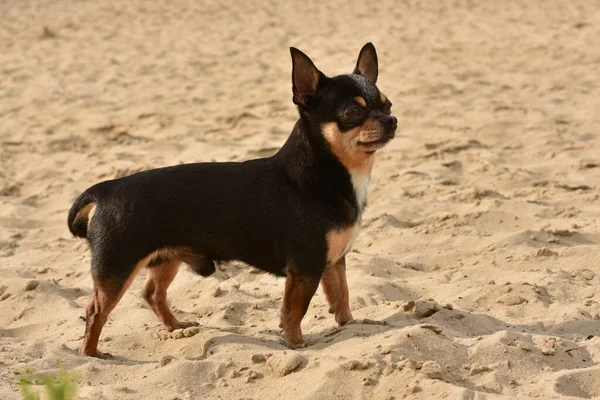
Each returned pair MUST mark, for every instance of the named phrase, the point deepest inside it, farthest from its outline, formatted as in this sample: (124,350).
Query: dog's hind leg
(158,279)
(199,263)
(335,287)
(108,290)
(299,290)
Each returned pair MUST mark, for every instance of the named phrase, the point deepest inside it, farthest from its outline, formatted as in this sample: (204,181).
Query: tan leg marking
(103,300)
(299,291)
(158,279)
(335,287)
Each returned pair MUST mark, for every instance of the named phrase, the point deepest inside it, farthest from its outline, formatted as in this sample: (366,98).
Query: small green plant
(59,387)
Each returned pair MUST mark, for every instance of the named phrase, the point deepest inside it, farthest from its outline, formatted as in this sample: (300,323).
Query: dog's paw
(97,354)
(299,345)
(343,318)
(103,356)
(182,325)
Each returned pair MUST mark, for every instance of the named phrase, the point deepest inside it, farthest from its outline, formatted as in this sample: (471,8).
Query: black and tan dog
(294,214)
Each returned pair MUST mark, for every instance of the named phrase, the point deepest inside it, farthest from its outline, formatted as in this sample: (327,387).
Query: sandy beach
(480,248)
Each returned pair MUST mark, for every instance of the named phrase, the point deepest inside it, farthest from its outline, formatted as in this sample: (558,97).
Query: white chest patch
(360,182)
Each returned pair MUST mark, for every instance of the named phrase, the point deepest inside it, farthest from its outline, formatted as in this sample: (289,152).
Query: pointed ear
(305,77)
(367,63)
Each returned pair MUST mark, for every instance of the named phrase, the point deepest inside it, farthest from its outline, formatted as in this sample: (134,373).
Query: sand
(480,247)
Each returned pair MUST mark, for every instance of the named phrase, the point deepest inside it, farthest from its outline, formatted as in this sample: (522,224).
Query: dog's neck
(305,157)
(311,166)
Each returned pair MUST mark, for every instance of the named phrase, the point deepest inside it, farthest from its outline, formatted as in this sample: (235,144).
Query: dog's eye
(353,113)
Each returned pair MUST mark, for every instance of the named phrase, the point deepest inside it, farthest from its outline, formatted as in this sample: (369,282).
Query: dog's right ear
(305,77)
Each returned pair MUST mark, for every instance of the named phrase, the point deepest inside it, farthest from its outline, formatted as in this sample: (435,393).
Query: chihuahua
(294,214)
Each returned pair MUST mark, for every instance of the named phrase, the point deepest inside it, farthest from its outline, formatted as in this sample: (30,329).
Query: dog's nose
(389,121)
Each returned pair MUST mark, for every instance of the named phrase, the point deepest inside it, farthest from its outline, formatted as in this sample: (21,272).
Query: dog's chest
(360,182)
(340,240)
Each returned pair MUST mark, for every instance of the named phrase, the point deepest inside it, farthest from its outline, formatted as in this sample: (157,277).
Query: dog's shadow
(468,325)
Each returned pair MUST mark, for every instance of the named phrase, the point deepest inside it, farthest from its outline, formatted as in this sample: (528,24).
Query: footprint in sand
(177,333)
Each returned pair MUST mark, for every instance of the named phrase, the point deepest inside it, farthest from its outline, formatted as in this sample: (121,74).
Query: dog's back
(222,210)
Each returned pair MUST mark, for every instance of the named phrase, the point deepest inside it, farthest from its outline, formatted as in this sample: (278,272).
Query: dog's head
(349,111)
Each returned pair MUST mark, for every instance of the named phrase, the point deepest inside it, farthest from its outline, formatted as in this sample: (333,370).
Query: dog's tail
(79,214)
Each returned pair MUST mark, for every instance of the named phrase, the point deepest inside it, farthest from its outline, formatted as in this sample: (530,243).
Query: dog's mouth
(374,142)
(373,145)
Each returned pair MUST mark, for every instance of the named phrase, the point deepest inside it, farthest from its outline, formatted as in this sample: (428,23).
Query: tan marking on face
(382,97)
(339,242)
(344,147)
(360,101)
(354,156)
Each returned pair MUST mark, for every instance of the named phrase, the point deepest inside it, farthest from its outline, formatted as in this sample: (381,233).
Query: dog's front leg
(335,287)
(299,290)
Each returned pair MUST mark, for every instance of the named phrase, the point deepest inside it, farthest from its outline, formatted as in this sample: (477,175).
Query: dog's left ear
(367,63)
